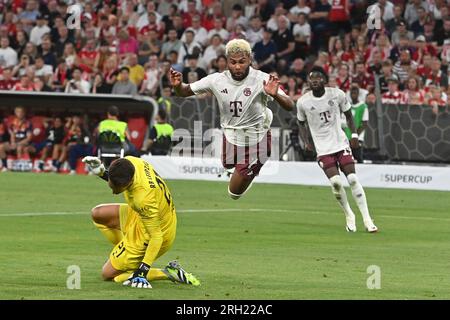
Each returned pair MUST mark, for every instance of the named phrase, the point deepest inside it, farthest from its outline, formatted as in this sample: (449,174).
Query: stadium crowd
(128,46)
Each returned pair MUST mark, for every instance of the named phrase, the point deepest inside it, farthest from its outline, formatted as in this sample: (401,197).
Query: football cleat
(351,225)
(370,227)
(177,274)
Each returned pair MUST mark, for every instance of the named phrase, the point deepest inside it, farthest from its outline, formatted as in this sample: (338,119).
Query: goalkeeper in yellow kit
(141,230)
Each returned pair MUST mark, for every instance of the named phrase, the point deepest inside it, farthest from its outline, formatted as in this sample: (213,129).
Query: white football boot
(370,226)
(351,224)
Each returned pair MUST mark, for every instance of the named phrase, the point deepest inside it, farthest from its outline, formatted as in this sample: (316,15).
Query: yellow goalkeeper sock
(156,274)
(153,274)
(113,235)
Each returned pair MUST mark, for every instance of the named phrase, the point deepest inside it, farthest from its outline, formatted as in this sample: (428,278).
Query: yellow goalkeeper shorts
(128,253)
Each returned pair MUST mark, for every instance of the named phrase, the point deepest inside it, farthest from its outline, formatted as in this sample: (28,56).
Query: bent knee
(352,179)
(108,272)
(106,276)
(96,214)
(336,183)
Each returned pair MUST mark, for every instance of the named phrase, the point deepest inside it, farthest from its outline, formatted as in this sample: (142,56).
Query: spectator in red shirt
(210,16)
(103,55)
(436,76)
(393,95)
(25,84)
(332,67)
(364,79)
(425,68)
(60,76)
(360,48)
(189,14)
(436,99)
(423,48)
(152,24)
(88,55)
(7,83)
(340,16)
(344,79)
(413,95)
(336,47)
(9,24)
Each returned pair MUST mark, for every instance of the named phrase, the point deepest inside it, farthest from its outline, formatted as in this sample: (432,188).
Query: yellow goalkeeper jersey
(150,198)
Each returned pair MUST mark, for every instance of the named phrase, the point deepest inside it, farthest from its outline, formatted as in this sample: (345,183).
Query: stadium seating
(138,129)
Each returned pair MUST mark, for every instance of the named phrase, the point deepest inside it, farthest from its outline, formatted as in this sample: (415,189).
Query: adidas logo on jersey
(224,91)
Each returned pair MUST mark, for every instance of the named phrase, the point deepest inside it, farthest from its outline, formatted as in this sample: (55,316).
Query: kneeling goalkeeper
(141,230)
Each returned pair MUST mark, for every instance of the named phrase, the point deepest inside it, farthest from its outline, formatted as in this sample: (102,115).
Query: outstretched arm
(96,166)
(271,87)
(181,89)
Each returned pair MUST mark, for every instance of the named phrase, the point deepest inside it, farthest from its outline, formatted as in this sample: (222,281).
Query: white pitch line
(62,213)
(32,214)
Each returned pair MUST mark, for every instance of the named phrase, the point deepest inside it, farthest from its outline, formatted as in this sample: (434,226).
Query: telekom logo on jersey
(325,116)
(236,108)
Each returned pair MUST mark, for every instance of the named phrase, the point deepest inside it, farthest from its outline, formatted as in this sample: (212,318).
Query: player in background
(321,108)
(20,133)
(242,93)
(360,113)
(141,230)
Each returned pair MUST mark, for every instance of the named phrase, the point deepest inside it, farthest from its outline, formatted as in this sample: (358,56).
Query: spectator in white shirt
(215,49)
(388,8)
(301,7)
(143,19)
(255,32)
(201,35)
(237,17)
(77,84)
(8,57)
(183,6)
(302,30)
(272,24)
(188,47)
(218,29)
(39,30)
(42,70)
(152,74)
(411,14)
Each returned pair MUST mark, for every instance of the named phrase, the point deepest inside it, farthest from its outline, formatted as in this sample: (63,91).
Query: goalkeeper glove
(139,278)
(95,165)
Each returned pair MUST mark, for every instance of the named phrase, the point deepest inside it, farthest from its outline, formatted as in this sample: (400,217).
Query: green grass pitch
(279,242)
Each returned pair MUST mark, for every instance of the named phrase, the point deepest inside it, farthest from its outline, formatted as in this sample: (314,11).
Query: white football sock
(341,196)
(359,196)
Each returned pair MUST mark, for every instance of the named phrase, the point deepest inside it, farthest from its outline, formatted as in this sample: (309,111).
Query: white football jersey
(324,119)
(244,115)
